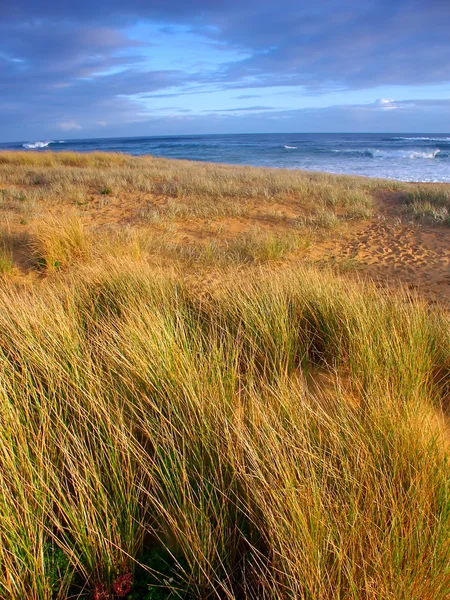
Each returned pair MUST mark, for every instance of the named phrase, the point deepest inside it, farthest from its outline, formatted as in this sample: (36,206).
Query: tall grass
(274,436)
(138,419)
(59,241)
(70,208)
(428,203)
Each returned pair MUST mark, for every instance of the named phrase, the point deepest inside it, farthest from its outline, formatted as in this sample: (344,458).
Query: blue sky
(151,67)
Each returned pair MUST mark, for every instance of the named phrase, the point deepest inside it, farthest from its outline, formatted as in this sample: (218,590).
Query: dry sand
(392,250)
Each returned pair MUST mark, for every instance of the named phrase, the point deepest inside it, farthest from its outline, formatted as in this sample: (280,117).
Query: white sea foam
(377,153)
(424,139)
(34,145)
(290,147)
(413,154)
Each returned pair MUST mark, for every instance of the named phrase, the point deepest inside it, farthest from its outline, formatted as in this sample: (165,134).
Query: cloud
(87,60)
(417,115)
(69,126)
(386,104)
(241,109)
(331,44)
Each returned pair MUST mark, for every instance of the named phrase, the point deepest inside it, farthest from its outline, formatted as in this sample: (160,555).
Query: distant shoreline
(48,151)
(402,157)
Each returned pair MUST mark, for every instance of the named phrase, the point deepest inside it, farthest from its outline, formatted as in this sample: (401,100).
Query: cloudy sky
(100,68)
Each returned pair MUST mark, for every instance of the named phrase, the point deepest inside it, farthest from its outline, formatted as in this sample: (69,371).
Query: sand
(392,250)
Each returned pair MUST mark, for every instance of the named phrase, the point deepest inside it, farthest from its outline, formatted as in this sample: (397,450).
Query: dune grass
(70,208)
(59,241)
(141,422)
(429,204)
(267,434)
(223,190)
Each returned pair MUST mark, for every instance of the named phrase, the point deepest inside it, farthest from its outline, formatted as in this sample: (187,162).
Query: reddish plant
(101,592)
(122,585)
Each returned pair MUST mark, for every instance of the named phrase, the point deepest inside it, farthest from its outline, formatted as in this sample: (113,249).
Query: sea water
(418,157)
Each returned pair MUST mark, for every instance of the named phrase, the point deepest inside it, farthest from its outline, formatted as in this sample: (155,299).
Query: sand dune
(392,250)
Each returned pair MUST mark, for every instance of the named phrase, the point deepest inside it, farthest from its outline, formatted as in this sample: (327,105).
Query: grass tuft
(58,242)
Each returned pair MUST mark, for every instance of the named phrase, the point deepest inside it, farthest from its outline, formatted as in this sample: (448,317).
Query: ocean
(418,157)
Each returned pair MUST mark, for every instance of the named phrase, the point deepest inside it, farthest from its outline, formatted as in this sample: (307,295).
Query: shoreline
(52,152)
(402,157)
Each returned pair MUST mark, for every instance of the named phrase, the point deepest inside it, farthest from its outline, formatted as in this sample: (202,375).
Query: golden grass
(59,241)
(96,172)
(149,207)
(274,435)
(137,416)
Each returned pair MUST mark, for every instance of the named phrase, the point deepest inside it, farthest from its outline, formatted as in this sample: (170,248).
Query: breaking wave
(34,145)
(290,147)
(411,154)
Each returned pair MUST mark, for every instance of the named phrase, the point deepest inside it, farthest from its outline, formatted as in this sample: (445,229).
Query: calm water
(418,157)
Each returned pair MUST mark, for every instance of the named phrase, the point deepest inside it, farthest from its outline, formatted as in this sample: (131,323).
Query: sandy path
(390,251)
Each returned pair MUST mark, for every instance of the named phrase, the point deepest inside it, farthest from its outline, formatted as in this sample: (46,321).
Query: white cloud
(69,125)
(386,104)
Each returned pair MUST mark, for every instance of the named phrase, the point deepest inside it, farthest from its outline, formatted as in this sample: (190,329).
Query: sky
(105,68)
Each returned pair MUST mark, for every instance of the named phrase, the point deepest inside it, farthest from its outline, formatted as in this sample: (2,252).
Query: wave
(422,139)
(364,153)
(411,154)
(34,145)
(290,147)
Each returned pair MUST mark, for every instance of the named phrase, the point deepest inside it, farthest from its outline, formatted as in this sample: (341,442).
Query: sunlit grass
(260,434)
(59,242)
(137,416)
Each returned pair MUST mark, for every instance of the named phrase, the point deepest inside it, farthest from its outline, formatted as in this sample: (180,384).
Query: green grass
(143,422)
(6,259)
(429,204)
(321,219)
(429,213)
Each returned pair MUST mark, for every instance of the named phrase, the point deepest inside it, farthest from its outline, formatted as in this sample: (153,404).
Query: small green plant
(347,264)
(322,219)
(106,191)
(159,577)
(6,259)
(56,566)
